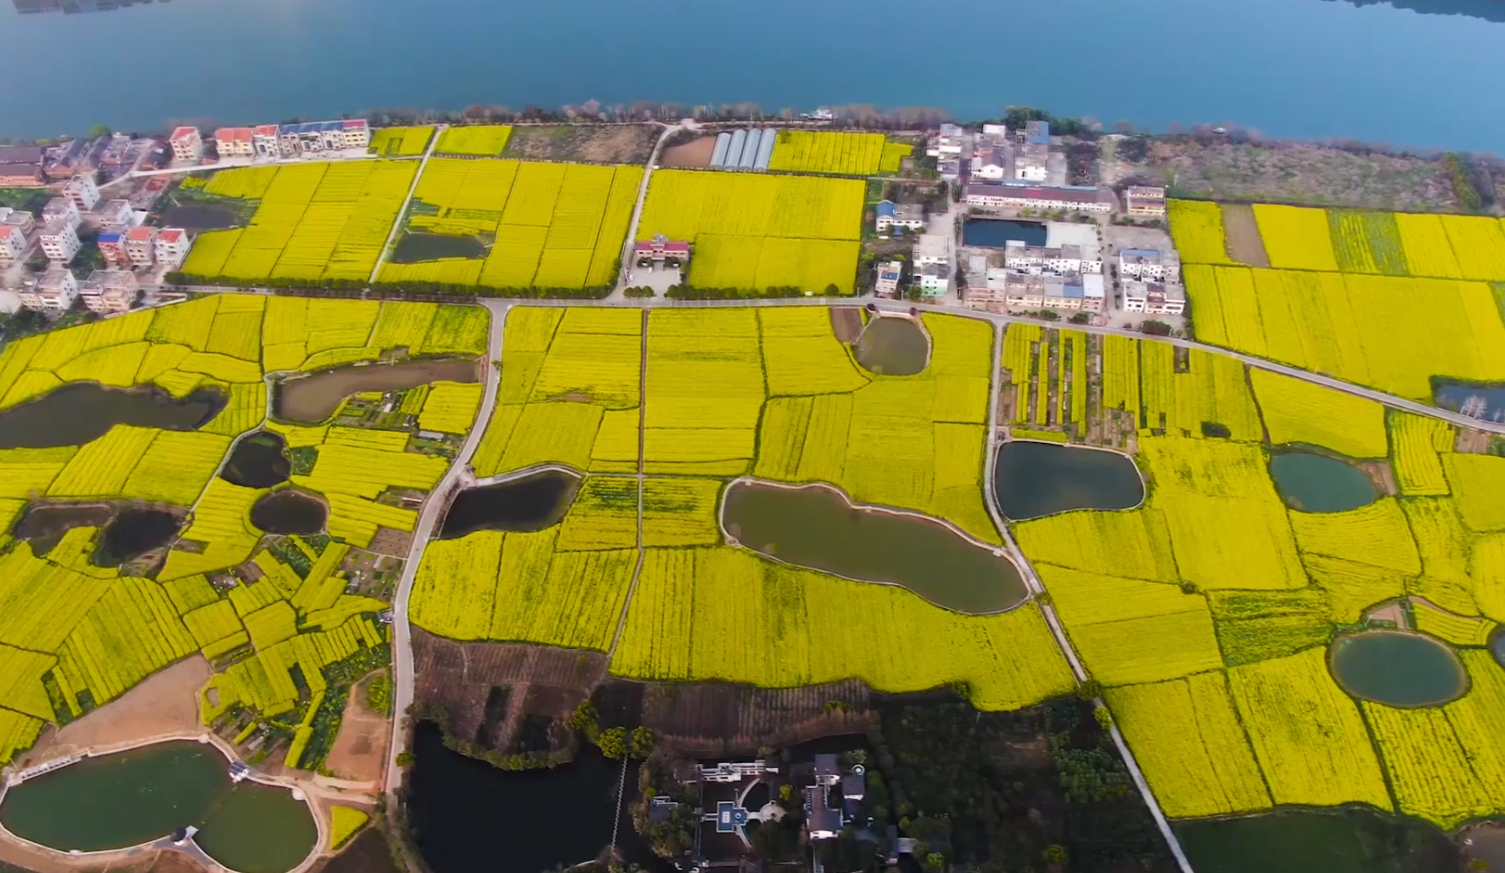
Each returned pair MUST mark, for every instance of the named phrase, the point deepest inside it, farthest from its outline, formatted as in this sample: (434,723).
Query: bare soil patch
(166,703)
(695,154)
(1383,477)
(360,748)
(1241,233)
(367,853)
(588,143)
(846,321)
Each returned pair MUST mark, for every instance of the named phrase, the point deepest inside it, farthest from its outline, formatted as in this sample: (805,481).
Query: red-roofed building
(356,133)
(234,142)
(140,245)
(172,247)
(187,144)
(660,249)
(264,141)
(12,243)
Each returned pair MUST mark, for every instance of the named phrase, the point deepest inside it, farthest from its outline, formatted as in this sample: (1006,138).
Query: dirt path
(166,703)
(1245,244)
(360,748)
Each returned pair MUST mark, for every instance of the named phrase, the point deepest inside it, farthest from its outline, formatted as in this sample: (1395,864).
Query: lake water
(991,233)
(1316,483)
(1033,479)
(1400,669)
(84,411)
(814,526)
(893,347)
(1203,62)
(531,503)
(313,399)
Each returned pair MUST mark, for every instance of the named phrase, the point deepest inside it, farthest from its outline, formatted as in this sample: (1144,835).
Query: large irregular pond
(135,797)
(313,399)
(84,411)
(528,504)
(258,461)
(1310,482)
(1487,402)
(1033,479)
(815,526)
(893,346)
(134,532)
(289,511)
(1398,668)
(416,247)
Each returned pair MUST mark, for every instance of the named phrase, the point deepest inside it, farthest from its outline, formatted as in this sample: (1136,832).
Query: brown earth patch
(369,852)
(589,143)
(846,321)
(695,154)
(166,703)
(1241,232)
(360,748)
(1382,475)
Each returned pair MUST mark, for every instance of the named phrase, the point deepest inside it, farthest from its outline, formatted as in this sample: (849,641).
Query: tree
(613,742)
(1055,853)
(1103,717)
(642,742)
(584,719)
(404,759)
(1155,328)
(1080,318)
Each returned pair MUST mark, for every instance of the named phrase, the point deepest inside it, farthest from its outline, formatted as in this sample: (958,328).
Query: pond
(1487,402)
(133,533)
(528,504)
(416,247)
(258,461)
(1033,479)
(1497,646)
(313,399)
(1484,842)
(815,526)
(199,217)
(893,346)
(121,800)
(1398,668)
(84,411)
(995,234)
(1310,482)
(467,815)
(289,511)
(46,523)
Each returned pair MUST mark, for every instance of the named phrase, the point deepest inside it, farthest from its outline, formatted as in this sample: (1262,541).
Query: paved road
(402,644)
(397,222)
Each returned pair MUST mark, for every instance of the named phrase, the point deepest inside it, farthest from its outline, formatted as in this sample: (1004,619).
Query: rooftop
(184,133)
(265,130)
(141,234)
(9,230)
(112,238)
(171,234)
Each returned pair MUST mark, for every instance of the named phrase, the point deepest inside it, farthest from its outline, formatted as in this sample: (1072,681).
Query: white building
(62,209)
(59,240)
(889,273)
(1154,298)
(993,164)
(1149,265)
(187,144)
(1039,197)
(172,247)
(234,142)
(113,215)
(910,216)
(932,248)
(933,279)
(950,142)
(109,291)
(12,244)
(140,246)
(16,218)
(54,291)
(1024,291)
(1032,163)
(1039,260)
(1144,201)
(264,141)
(82,190)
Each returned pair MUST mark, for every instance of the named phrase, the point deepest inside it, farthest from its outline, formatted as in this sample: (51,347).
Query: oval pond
(893,346)
(528,504)
(1310,482)
(1033,479)
(84,411)
(815,526)
(416,247)
(258,461)
(129,798)
(134,532)
(289,511)
(1398,668)
(313,399)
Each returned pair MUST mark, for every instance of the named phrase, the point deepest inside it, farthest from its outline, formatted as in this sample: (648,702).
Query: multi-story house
(62,209)
(910,216)
(112,248)
(113,215)
(1149,265)
(12,244)
(109,291)
(234,142)
(187,144)
(83,191)
(172,247)
(1066,198)
(1154,298)
(1039,260)
(140,246)
(54,291)
(264,141)
(1144,201)
(59,240)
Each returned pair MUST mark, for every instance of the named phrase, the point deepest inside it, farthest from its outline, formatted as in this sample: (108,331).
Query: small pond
(815,526)
(531,503)
(1497,645)
(49,521)
(893,346)
(1398,668)
(258,461)
(84,411)
(198,217)
(416,247)
(313,399)
(1310,482)
(1487,402)
(133,533)
(289,511)
(1032,479)
(467,815)
(1484,842)
(134,797)
(995,234)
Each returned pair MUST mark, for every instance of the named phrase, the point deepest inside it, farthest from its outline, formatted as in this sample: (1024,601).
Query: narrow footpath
(637,571)
(406,202)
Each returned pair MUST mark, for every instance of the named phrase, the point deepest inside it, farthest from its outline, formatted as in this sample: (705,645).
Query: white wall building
(113,215)
(12,244)
(890,215)
(172,247)
(59,241)
(109,291)
(1041,197)
(83,191)
(933,279)
(62,209)
(1144,201)
(1154,298)
(1039,260)
(54,291)
(1149,265)
(889,273)
(187,144)
(932,248)
(140,246)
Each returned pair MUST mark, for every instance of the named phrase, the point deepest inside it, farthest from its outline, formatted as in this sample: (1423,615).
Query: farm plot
(481,140)
(754,231)
(401,142)
(547,225)
(844,154)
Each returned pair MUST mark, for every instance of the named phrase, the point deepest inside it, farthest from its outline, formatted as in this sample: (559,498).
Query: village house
(83,191)
(910,216)
(1154,298)
(112,248)
(54,291)
(59,240)
(113,215)
(62,209)
(12,244)
(1144,201)
(1067,198)
(889,273)
(109,291)
(1039,260)
(1149,265)
(140,246)
(234,142)
(187,144)
(172,247)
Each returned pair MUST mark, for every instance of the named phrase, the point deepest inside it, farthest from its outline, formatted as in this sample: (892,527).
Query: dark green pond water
(1497,645)
(893,347)
(139,796)
(1399,669)
(84,411)
(1034,479)
(1310,482)
(815,527)
(416,247)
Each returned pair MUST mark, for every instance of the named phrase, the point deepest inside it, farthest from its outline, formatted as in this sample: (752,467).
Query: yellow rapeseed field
(1416,445)
(1298,411)
(1197,230)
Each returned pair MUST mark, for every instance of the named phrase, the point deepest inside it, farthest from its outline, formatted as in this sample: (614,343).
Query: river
(1289,68)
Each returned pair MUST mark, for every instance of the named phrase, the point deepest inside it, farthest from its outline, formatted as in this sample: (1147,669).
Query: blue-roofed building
(730,817)
(889,274)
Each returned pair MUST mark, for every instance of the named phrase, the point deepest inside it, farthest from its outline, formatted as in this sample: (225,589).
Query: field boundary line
(407,201)
(637,571)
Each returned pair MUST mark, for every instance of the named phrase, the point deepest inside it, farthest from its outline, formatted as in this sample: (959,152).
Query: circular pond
(126,799)
(1033,479)
(1310,482)
(134,532)
(1398,668)
(290,511)
(258,462)
(893,346)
